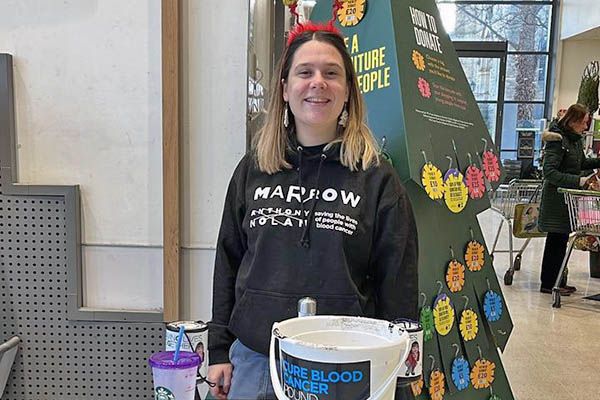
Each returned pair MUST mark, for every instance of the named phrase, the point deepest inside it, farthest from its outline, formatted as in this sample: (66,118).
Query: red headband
(310,26)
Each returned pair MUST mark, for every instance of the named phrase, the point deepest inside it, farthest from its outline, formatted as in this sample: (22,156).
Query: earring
(343,117)
(286,119)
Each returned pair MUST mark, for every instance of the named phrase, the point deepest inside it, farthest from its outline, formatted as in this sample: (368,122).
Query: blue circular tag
(460,373)
(492,306)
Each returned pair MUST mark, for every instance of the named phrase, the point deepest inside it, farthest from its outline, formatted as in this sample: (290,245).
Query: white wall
(88,103)
(575,55)
(579,16)
(88,111)
(214,128)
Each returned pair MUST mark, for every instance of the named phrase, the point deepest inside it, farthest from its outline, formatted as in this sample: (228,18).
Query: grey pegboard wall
(58,358)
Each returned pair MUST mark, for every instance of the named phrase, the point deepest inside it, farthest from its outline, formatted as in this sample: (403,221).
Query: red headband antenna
(307,25)
(337,4)
(293,6)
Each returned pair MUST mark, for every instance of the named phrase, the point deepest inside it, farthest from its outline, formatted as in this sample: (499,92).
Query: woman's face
(316,90)
(581,125)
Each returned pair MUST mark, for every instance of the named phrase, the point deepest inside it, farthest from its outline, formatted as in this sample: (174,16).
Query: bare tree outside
(526,28)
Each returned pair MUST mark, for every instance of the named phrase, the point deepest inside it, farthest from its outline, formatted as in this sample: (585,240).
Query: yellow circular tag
(482,374)
(475,256)
(431,178)
(417,386)
(437,387)
(469,325)
(443,314)
(455,276)
(457,193)
(352,12)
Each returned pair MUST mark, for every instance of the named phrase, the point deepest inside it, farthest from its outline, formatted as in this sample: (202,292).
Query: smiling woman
(311,210)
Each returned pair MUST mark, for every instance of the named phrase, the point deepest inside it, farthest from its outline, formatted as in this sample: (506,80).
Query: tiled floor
(552,353)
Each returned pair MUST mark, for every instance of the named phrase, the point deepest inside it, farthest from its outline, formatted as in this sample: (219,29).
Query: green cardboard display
(440,118)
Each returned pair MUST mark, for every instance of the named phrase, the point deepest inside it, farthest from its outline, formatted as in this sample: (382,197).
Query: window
(526,27)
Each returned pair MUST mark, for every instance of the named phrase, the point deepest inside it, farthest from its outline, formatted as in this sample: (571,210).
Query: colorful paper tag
(456,193)
(431,178)
(475,256)
(443,314)
(352,12)
(417,386)
(469,325)
(460,373)
(492,306)
(427,323)
(491,167)
(475,183)
(455,276)
(437,385)
(482,374)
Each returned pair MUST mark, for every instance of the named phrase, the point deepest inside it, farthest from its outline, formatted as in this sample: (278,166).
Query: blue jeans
(251,377)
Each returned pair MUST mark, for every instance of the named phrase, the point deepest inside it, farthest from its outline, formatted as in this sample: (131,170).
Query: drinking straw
(178,346)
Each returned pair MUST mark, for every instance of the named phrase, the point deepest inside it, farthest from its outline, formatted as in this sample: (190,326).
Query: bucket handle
(273,366)
(279,390)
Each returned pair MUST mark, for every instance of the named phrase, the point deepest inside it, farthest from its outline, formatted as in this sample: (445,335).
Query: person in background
(563,162)
(561,112)
(310,211)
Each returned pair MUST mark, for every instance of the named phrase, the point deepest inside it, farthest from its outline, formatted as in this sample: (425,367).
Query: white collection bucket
(336,357)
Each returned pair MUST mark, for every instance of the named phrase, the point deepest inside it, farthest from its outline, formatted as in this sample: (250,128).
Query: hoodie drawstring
(300,149)
(305,239)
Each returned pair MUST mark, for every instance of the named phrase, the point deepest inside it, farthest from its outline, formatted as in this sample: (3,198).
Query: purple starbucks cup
(174,380)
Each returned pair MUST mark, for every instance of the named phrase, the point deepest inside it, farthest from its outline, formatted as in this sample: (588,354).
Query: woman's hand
(591,182)
(220,374)
(594,184)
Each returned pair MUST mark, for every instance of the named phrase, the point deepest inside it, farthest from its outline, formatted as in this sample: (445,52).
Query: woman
(563,162)
(311,211)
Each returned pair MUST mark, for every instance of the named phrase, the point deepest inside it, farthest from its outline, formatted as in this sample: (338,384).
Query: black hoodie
(350,243)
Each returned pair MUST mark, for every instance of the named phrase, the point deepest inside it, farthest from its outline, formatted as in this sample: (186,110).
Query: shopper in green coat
(563,162)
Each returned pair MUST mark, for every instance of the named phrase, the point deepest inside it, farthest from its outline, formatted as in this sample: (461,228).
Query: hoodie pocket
(257,310)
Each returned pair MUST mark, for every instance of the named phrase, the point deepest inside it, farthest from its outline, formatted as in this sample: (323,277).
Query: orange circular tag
(475,256)
(482,374)
(417,386)
(455,276)
(437,387)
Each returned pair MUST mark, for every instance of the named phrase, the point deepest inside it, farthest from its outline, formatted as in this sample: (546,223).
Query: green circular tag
(162,393)
(427,323)
(494,397)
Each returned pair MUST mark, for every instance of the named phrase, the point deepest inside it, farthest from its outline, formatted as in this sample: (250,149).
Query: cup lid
(164,360)
(189,326)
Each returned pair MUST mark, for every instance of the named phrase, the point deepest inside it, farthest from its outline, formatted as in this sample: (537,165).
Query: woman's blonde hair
(358,150)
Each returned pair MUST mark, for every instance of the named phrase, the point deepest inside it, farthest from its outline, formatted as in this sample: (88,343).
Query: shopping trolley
(584,215)
(503,201)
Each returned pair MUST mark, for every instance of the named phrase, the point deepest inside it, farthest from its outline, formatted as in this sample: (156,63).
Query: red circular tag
(491,167)
(475,184)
